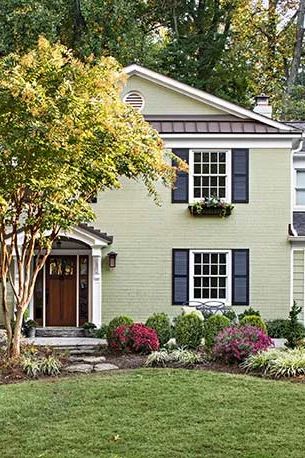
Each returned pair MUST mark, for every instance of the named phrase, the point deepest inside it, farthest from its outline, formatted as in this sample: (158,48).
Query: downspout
(293,152)
(294,232)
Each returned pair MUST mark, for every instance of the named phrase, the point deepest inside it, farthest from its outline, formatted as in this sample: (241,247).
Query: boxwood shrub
(160,322)
(188,330)
(254,320)
(212,326)
(115,323)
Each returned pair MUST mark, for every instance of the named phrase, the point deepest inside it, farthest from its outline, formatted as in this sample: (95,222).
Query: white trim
(228,300)
(291,275)
(239,136)
(304,287)
(298,238)
(96,279)
(228,152)
(201,96)
(218,141)
(44,298)
(77,291)
(300,168)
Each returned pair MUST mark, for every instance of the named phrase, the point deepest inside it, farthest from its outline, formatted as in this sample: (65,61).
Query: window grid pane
(210,174)
(210,276)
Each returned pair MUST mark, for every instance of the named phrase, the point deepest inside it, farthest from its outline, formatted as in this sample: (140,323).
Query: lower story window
(210,275)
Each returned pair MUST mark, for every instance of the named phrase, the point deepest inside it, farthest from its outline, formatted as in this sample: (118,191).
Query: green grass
(153,414)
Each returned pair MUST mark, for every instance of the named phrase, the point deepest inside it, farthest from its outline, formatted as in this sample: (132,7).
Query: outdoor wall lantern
(112,259)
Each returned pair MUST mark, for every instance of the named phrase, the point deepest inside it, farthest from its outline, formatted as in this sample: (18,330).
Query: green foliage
(231,315)
(188,330)
(89,326)
(31,366)
(101,333)
(34,365)
(295,330)
(254,320)
(89,329)
(179,357)
(249,311)
(212,326)
(50,365)
(65,134)
(115,323)
(277,362)
(278,329)
(160,322)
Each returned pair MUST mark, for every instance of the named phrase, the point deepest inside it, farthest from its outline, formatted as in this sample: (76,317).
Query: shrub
(235,343)
(277,328)
(89,329)
(295,330)
(188,330)
(212,326)
(34,366)
(254,320)
(249,311)
(101,332)
(115,323)
(179,357)
(231,314)
(134,338)
(160,322)
(277,362)
(50,365)
(30,366)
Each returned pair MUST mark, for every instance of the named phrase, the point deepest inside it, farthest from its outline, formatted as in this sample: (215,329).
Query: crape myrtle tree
(64,134)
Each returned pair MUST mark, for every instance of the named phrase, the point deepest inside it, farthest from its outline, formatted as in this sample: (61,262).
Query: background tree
(64,134)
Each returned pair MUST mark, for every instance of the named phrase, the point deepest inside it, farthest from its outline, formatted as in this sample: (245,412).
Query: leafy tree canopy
(64,134)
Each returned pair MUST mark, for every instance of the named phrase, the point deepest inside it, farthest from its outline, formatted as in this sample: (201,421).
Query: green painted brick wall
(163,101)
(145,234)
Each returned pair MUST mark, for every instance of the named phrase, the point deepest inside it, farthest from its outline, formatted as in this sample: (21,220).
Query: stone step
(59,332)
(87,359)
(87,368)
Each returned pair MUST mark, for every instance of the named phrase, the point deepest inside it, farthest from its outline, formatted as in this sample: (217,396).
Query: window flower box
(211,206)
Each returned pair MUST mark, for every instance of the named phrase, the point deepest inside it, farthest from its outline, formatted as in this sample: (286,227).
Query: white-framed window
(210,174)
(299,188)
(210,275)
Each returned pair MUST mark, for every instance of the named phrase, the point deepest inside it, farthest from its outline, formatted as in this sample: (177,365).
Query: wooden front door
(61,291)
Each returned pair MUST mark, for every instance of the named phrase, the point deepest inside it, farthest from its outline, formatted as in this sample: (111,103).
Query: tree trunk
(14,351)
(297,53)
(6,312)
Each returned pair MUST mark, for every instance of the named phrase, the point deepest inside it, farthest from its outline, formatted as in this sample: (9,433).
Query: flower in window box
(211,206)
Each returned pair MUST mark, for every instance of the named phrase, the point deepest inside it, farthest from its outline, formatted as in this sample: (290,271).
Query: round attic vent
(135,99)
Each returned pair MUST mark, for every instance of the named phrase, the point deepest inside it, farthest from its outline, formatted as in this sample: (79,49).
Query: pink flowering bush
(134,338)
(235,343)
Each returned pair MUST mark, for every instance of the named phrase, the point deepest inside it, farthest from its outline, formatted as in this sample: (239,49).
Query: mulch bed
(12,373)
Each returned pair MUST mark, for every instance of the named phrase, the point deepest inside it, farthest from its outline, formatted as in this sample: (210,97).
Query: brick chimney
(262,105)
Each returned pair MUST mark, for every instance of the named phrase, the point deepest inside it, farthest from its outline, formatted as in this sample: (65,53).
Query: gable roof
(204,97)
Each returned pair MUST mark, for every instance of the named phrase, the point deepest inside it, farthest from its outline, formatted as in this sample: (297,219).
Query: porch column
(97,286)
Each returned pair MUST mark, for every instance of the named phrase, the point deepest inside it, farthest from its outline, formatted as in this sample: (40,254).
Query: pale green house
(166,256)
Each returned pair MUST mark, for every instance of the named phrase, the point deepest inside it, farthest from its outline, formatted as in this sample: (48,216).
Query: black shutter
(180,273)
(240,277)
(180,193)
(240,175)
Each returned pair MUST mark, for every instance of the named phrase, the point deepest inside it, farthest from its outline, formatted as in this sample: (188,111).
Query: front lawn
(153,414)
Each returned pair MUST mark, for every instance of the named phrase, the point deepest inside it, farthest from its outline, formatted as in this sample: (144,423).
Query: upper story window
(135,99)
(210,174)
(300,187)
